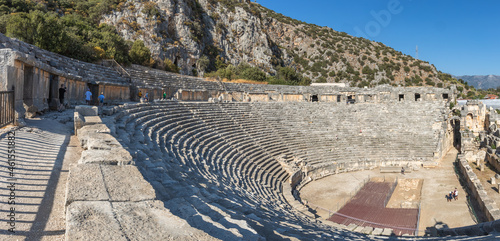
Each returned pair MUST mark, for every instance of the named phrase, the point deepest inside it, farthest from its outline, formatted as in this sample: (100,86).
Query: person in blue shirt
(101,99)
(88,96)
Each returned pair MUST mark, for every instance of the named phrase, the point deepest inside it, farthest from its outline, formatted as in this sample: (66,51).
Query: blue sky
(459,37)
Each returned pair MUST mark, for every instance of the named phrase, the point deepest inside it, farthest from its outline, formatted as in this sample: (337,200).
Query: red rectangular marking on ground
(367,208)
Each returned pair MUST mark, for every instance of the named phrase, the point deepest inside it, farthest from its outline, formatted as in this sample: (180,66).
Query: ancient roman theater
(227,161)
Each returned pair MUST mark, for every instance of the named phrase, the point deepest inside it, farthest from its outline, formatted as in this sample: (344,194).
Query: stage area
(327,195)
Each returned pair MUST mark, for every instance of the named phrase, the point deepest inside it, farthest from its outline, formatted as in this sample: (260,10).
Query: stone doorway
(457,136)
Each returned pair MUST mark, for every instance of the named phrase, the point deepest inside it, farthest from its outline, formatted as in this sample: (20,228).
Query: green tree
(139,53)
(202,64)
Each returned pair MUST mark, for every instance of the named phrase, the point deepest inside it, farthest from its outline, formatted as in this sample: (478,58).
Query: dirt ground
(330,193)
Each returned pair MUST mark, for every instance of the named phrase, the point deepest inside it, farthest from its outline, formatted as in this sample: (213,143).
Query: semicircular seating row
(215,164)
(207,171)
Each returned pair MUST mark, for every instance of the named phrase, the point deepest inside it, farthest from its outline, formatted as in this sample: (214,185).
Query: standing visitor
(101,99)
(88,96)
(146,97)
(164,95)
(62,91)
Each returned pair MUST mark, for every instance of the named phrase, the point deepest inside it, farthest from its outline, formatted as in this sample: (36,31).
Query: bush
(252,73)
(170,66)
(139,53)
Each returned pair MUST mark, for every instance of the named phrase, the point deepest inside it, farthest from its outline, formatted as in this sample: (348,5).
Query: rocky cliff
(240,31)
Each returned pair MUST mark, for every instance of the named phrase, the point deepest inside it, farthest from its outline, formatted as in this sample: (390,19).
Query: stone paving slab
(116,156)
(92,221)
(92,182)
(125,183)
(86,183)
(149,220)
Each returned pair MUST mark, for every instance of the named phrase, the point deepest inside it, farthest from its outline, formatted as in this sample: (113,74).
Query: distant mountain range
(481,81)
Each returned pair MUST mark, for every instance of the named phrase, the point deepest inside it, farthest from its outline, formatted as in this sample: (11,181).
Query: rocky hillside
(228,38)
(483,82)
(203,35)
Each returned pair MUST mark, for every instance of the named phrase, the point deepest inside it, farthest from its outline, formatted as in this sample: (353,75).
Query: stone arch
(469,120)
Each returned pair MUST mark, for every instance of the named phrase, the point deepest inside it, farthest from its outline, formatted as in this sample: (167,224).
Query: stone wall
(486,204)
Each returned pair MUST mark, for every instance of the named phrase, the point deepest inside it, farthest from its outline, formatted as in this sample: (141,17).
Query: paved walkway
(40,176)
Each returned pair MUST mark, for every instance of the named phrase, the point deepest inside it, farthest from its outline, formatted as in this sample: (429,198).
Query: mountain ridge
(483,82)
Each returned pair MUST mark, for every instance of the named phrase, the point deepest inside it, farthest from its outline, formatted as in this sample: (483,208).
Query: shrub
(170,66)
(252,73)
(139,53)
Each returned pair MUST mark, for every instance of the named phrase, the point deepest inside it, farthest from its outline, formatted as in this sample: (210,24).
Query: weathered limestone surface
(92,220)
(91,182)
(86,110)
(115,156)
(86,183)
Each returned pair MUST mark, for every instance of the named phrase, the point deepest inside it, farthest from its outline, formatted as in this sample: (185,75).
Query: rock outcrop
(182,31)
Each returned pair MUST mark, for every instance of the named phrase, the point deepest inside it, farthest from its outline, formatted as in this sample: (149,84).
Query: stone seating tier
(220,159)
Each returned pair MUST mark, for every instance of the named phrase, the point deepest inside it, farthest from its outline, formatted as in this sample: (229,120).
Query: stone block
(91,120)
(149,220)
(85,183)
(487,227)
(387,232)
(92,182)
(377,231)
(86,110)
(115,156)
(495,214)
(108,111)
(97,128)
(367,230)
(351,226)
(78,122)
(493,181)
(92,221)
(358,229)
(126,183)
(98,141)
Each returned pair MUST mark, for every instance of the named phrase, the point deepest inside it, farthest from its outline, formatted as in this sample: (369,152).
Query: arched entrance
(469,121)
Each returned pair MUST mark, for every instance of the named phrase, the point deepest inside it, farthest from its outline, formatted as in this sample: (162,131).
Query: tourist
(455,194)
(62,90)
(101,99)
(164,95)
(449,196)
(146,97)
(88,96)
(403,170)
(140,94)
